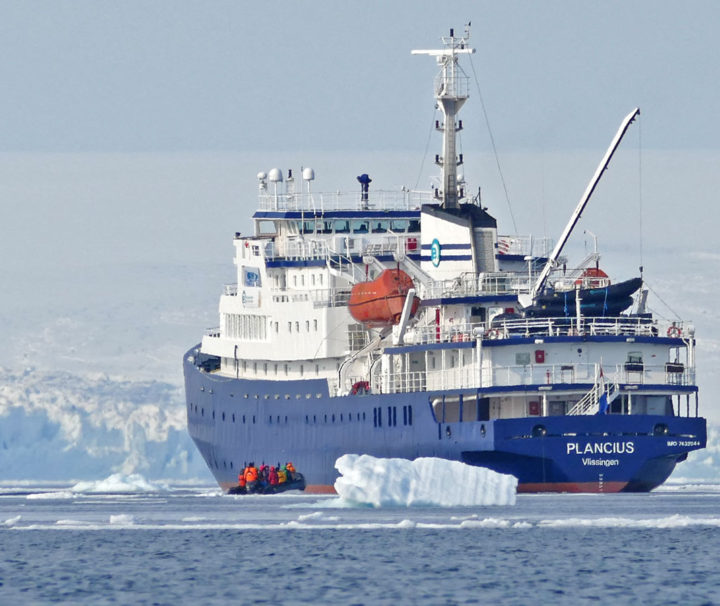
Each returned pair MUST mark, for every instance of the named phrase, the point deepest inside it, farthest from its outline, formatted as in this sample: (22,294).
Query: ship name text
(601,448)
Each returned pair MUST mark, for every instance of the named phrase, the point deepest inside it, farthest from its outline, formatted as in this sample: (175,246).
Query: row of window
(253,328)
(277,419)
(275,396)
(302,280)
(391,416)
(276,369)
(246,327)
(314,418)
(358,226)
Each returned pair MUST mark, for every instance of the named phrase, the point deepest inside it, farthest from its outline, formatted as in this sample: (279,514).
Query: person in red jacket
(272,476)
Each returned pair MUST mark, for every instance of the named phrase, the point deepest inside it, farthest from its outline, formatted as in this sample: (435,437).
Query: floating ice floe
(118,483)
(122,519)
(57,494)
(12,521)
(424,481)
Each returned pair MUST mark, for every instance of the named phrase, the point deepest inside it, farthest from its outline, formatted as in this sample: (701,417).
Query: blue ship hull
(235,421)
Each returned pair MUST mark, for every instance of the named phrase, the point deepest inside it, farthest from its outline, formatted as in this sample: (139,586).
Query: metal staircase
(590,403)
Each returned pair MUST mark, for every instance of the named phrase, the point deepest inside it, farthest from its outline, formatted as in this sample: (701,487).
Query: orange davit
(380,301)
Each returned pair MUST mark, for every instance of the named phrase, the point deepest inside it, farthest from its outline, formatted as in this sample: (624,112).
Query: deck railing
(404,199)
(555,375)
(545,327)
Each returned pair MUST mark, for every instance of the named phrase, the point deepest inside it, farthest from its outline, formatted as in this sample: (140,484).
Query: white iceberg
(424,481)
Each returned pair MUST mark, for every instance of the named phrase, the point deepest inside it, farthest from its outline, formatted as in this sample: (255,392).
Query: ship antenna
(451,92)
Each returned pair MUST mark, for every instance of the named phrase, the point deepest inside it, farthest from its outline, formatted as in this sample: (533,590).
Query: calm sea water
(194,546)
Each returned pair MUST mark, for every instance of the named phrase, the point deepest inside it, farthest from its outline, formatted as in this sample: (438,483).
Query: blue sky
(168,75)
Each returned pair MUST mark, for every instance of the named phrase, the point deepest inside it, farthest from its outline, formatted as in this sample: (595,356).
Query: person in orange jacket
(251,477)
(290,468)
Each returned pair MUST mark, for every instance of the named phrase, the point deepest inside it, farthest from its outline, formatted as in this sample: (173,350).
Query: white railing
(544,327)
(404,199)
(556,375)
(471,284)
(524,246)
(330,297)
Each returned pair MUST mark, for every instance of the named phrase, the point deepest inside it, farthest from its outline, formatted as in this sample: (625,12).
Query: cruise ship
(406,324)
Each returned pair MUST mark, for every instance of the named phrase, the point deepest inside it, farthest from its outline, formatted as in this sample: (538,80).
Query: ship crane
(583,202)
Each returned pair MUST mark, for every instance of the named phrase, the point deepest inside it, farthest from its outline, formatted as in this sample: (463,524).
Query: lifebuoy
(493,333)
(674,332)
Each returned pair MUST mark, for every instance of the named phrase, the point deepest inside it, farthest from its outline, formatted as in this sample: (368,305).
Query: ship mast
(451,92)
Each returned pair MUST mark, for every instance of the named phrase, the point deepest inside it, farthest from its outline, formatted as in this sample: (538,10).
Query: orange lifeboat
(380,301)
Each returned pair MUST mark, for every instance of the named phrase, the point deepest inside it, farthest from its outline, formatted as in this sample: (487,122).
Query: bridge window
(360,227)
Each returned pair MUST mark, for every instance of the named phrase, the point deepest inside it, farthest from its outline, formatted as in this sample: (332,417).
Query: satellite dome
(261,176)
(308,174)
(275,175)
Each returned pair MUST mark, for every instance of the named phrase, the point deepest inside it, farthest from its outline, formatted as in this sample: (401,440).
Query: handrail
(404,199)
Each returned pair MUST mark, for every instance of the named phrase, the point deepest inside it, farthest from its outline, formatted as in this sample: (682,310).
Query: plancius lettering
(600,448)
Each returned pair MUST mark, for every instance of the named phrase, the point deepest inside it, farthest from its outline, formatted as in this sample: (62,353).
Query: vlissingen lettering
(600,462)
(600,448)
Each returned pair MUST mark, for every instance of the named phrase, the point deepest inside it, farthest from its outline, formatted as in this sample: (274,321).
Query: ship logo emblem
(435,252)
